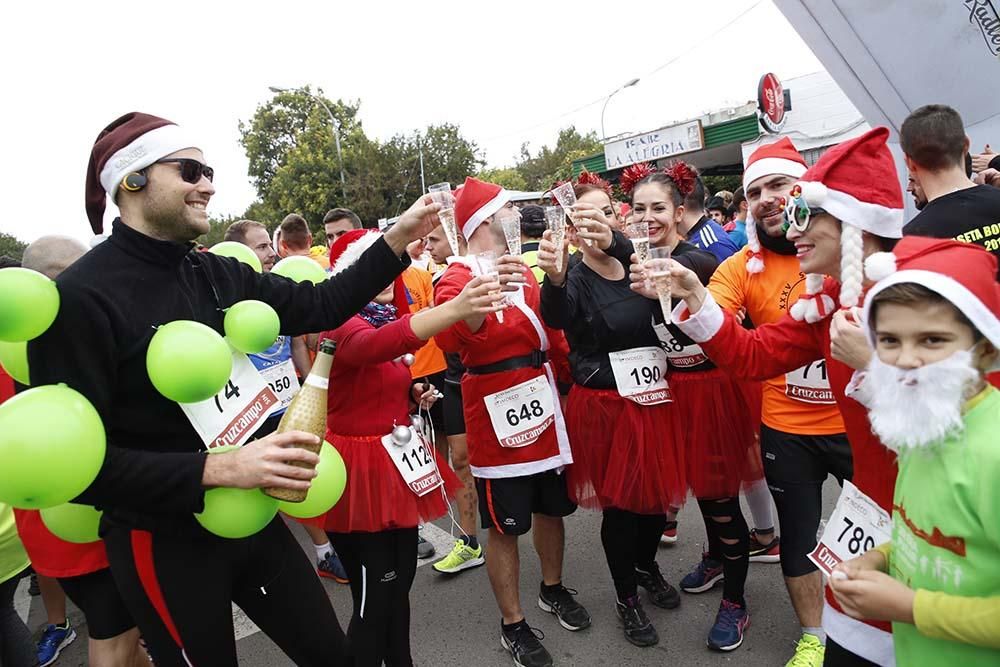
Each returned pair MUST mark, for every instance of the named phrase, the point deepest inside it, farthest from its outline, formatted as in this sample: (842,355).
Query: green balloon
(188,362)
(300,268)
(252,326)
(73,523)
(327,487)
(29,302)
(52,446)
(239,251)
(14,359)
(235,513)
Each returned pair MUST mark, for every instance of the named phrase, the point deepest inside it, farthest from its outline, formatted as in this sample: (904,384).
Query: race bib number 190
(522,413)
(641,375)
(235,413)
(857,525)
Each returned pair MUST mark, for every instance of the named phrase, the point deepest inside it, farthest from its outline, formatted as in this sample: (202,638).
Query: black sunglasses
(191,170)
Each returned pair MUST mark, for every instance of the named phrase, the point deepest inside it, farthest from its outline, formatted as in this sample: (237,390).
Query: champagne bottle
(307,412)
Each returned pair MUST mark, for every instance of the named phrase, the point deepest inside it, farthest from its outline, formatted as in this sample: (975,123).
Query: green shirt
(946,530)
(13,559)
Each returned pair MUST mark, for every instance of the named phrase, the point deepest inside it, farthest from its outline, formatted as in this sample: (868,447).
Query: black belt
(534,360)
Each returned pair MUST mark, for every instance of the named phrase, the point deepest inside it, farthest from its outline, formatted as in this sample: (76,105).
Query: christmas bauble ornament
(401,436)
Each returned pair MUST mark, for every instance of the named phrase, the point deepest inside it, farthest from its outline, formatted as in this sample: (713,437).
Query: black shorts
(97,597)
(796,466)
(451,405)
(508,503)
(437,409)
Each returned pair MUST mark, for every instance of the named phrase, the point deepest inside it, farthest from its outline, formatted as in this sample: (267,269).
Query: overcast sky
(506,72)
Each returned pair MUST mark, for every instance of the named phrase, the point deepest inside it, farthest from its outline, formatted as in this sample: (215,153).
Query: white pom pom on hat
(880,266)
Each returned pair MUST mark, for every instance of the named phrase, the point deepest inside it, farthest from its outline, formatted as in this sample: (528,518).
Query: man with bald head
(52,254)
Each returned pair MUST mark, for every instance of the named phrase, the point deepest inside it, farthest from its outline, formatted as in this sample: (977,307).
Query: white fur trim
(485,211)
(861,639)
(702,326)
(952,290)
(769,166)
(142,152)
(872,218)
(807,307)
(880,266)
(354,250)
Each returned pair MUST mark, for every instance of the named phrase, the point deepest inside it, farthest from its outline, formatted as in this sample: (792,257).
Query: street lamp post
(334,125)
(627,85)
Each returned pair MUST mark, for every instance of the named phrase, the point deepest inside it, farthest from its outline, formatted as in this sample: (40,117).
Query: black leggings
(179,591)
(728,542)
(630,540)
(381,567)
(16,647)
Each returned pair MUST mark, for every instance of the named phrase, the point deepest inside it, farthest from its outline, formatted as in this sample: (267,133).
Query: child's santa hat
(855,182)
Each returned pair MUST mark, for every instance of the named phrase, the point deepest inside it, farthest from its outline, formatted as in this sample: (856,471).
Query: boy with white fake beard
(933,321)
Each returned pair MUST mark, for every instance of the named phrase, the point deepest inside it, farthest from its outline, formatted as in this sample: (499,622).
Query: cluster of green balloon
(237,251)
(251,326)
(327,487)
(29,302)
(52,447)
(235,513)
(300,268)
(72,523)
(188,362)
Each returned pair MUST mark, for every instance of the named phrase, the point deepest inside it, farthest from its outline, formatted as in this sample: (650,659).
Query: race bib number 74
(522,413)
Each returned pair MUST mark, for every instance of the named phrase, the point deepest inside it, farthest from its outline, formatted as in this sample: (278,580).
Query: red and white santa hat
(477,200)
(129,144)
(781,157)
(347,249)
(855,182)
(963,273)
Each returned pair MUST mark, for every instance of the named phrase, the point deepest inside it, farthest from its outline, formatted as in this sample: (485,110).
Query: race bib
(680,356)
(522,413)
(810,384)
(282,380)
(415,462)
(641,375)
(236,412)
(856,525)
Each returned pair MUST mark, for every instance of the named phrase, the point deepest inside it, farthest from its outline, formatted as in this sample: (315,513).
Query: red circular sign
(771,103)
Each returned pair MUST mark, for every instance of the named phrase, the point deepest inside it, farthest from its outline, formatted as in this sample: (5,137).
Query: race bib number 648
(521,414)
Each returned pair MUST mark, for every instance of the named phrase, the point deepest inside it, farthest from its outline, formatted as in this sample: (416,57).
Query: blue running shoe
(331,568)
(703,577)
(53,640)
(730,622)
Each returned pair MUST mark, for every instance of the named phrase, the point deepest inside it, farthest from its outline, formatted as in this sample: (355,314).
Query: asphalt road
(456,622)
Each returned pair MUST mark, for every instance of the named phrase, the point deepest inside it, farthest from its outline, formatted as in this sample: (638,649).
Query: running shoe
(462,557)
(425,549)
(669,535)
(53,640)
(331,568)
(730,622)
(764,552)
(661,593)
(560,602)
(524,645)
(809,652)
(703,577)
(33,589)
(638,629)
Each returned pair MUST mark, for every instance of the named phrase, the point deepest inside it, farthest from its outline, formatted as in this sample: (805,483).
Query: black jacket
(112,299)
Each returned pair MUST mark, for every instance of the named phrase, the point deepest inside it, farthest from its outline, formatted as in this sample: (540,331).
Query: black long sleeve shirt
(111,301)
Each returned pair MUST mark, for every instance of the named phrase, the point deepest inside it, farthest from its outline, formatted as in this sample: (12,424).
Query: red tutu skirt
(624,455)
(718,431)
(376,498)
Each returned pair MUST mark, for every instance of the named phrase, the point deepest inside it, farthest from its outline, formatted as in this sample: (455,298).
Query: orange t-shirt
(429,358)
(801,406)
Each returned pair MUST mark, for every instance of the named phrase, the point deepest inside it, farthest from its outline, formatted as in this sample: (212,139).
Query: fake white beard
(914,408)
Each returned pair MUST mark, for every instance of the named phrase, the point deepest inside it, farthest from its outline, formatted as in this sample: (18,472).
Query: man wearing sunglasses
(177,579)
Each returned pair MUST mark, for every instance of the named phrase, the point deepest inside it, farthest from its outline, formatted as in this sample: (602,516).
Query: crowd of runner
(614,356)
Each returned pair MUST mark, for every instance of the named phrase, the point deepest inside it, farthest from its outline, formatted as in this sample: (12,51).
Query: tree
(509,177)
(217,230)
(555,164)
(12,246)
